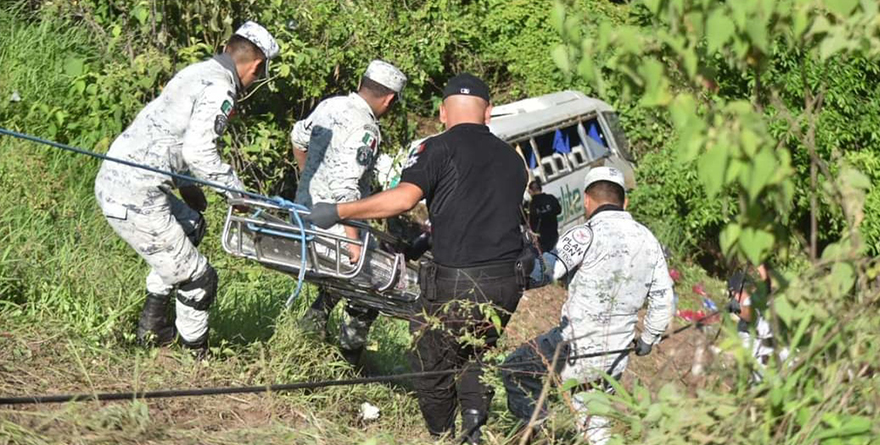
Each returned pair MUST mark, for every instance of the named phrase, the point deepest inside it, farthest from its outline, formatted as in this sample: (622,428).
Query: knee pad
(207,282)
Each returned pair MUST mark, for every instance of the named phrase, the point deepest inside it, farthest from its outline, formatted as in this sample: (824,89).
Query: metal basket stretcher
(272,234)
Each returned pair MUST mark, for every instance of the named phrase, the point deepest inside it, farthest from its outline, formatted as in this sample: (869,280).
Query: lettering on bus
(572,206)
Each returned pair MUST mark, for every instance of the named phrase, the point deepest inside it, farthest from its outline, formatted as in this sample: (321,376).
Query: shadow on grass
(248,309)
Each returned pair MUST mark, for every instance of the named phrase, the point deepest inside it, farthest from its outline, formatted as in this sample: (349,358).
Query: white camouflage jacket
(177,132)
(342,138)
(613,264)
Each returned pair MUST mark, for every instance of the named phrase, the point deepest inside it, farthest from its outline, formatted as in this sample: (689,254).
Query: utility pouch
(524,265)
(427,279)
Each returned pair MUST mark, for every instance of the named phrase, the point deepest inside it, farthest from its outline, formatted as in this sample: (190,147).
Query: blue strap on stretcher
(293,209)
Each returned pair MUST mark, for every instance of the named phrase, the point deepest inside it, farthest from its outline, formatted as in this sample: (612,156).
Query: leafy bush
(749,140)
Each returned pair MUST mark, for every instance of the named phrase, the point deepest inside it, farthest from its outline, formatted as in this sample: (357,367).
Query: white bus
(561,136)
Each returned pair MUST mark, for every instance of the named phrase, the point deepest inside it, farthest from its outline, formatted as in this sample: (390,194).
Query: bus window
(597,145)
(561,141)
(525,148)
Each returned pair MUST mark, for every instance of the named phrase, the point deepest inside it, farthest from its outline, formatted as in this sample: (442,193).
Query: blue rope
(281,202)
(295,218)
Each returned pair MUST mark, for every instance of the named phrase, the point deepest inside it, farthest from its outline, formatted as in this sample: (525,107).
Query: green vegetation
(718,98)
(763,98)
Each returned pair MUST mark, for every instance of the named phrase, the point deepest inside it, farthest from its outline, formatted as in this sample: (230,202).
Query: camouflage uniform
(342,139)
(614,264)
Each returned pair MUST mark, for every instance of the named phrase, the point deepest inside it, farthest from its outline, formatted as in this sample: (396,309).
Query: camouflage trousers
(525,369)
(355,326)
(165,235)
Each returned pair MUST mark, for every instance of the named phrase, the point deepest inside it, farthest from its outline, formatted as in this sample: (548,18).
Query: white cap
(386,75)
(609,174)
(258,35)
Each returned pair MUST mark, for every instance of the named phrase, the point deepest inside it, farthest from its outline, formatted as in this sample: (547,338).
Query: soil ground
(671,361)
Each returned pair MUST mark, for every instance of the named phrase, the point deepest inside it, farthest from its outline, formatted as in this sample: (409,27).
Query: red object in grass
(693,316)
(699,289)
(675,275)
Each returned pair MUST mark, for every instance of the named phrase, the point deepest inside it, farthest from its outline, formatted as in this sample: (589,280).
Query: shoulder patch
(365,155)
(220,124)
(370,140)
(226,107)
(581,235)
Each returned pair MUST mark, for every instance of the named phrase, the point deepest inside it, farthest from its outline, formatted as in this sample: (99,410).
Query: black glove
(323,215)
(734,307)
(642,348)
(418,247)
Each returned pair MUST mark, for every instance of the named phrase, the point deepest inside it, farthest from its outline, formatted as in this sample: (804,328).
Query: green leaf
(627,40)
(74,66)
(557,17)
(784,309)
(141,14)
(842,278)
(854,178)
(755,243)
(719,29)
(656,85)
(560,58)
(831,45)
(654,413)
(652,5)
(668,393)
(758,35)
(762,170)
(842,7)
(569,384)
(852,426)
(284,70)
(585,68)
(711,167)
(729,236)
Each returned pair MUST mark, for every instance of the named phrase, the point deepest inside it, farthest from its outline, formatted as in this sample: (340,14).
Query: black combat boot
(198,347)
(471,422)
(154,327)
(352,356)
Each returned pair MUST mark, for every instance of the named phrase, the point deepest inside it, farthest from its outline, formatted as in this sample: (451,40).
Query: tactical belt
(502,270)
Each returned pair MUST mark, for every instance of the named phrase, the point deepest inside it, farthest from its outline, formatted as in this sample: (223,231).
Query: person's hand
(241,208)
(354,253)
(194,198)
(323,215)
(642,348)
(762,272)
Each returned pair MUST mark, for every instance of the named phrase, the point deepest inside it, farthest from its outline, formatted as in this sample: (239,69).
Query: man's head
(465,101)
(737,284)
(535,187)
(381,86)
(604,185)
(251,47)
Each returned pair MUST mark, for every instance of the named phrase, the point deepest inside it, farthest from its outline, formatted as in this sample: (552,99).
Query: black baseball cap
(737,282)
(466,84)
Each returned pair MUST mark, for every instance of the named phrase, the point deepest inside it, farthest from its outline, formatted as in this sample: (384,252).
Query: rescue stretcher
(273,235)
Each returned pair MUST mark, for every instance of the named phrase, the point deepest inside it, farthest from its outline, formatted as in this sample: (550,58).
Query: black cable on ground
(62,398)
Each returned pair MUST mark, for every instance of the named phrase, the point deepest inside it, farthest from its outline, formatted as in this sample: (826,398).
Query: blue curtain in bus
(533,162)
(593,132)
(560,143)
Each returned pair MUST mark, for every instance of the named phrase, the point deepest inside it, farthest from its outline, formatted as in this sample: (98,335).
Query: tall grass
(71,287)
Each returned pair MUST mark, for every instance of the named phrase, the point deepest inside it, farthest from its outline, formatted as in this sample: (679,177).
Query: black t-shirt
(543,210)
(473,183)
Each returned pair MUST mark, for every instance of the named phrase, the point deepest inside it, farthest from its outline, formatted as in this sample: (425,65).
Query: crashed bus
(561,136)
